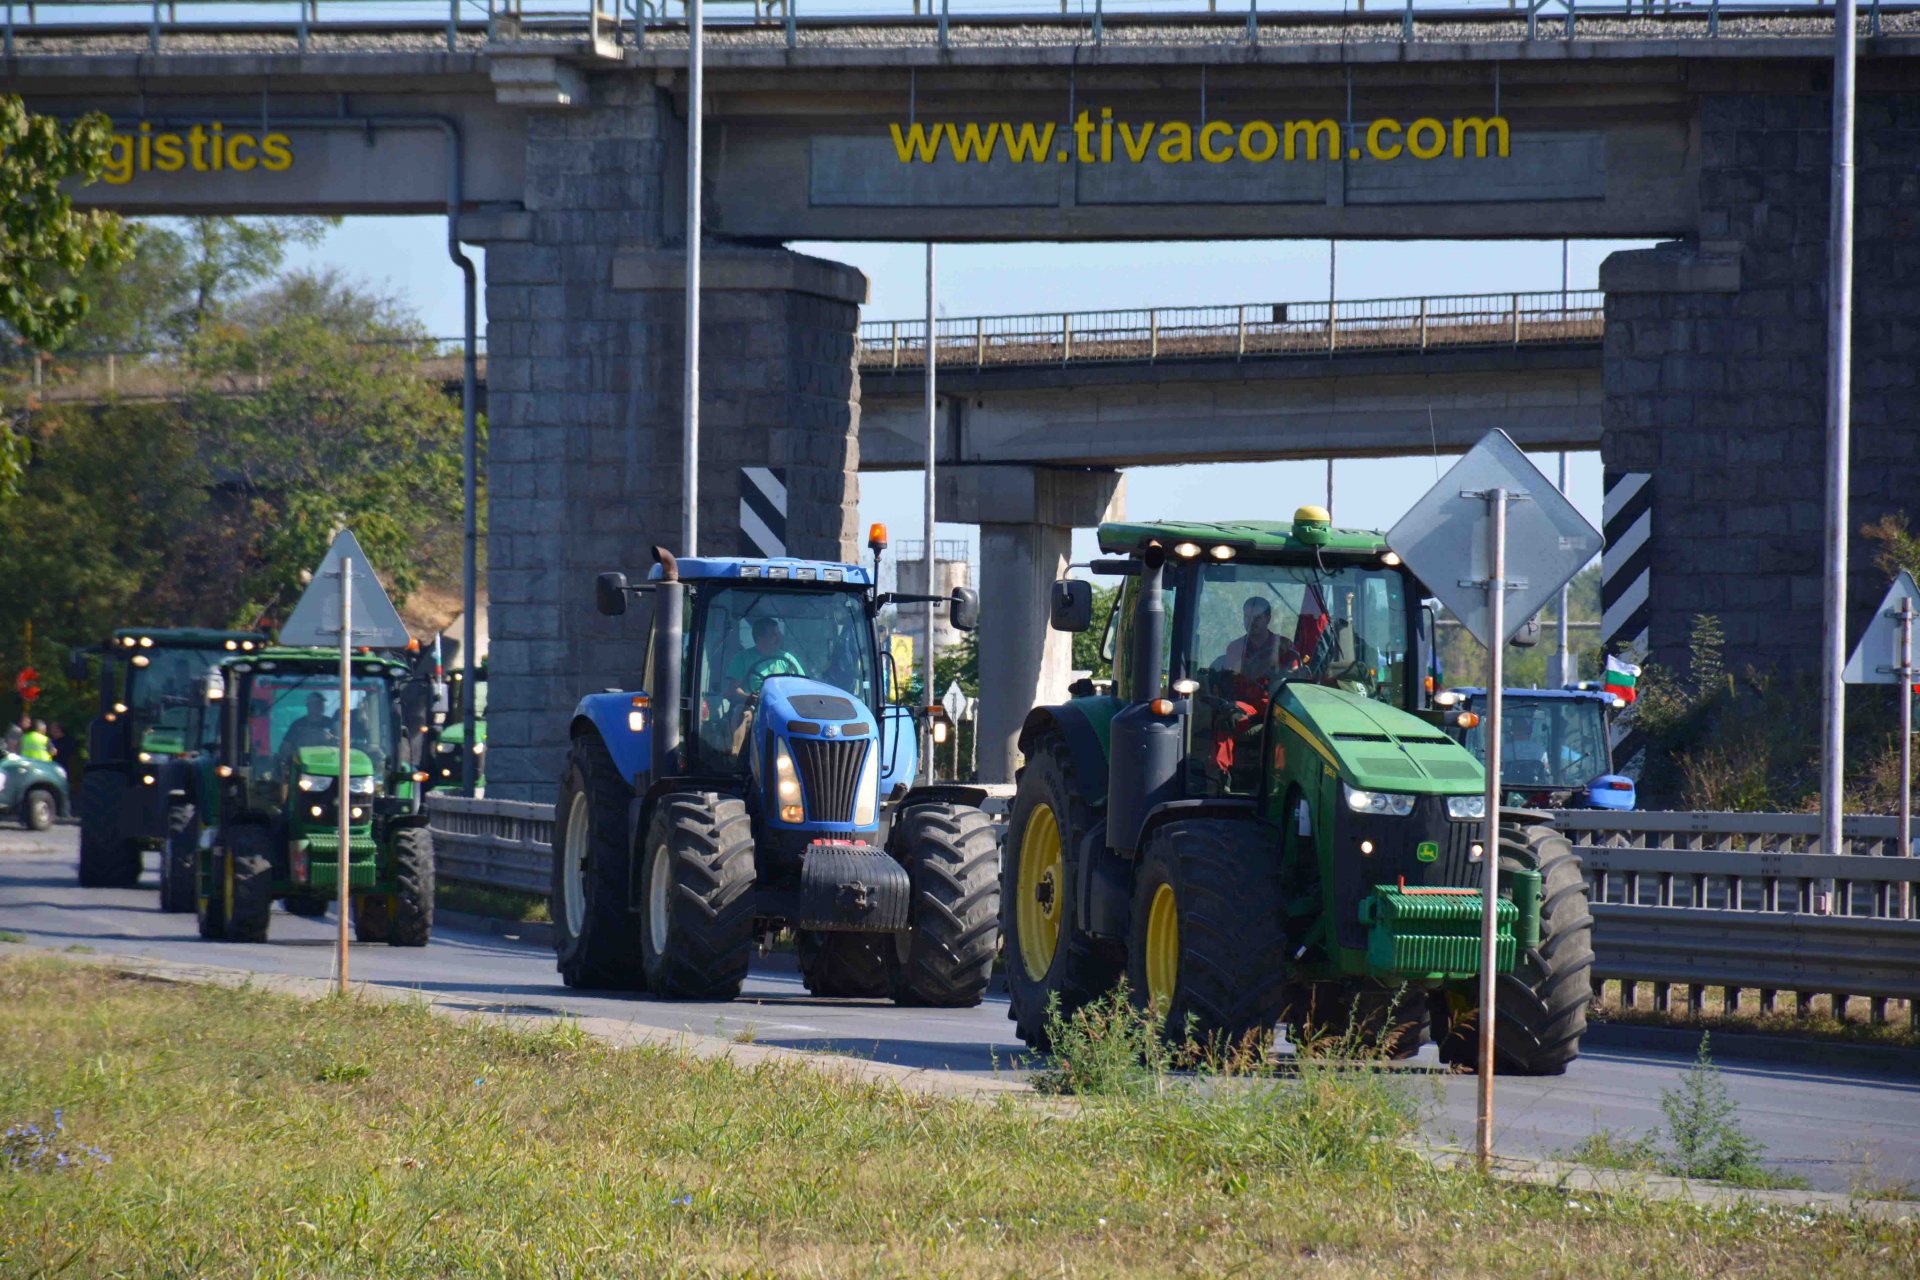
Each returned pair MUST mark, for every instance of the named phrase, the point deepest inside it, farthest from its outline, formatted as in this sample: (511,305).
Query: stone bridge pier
(585,337)
(1715,374)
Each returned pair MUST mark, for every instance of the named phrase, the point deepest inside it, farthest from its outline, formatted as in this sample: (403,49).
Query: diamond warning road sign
(315,620)
(1444,537)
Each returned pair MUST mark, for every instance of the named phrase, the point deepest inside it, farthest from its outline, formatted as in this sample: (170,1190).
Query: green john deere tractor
(147,679)
(444,744)
(264,820)
(1265,824)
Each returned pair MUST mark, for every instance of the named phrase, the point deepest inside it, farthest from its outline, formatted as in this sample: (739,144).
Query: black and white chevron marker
(1626,561)
(763,512)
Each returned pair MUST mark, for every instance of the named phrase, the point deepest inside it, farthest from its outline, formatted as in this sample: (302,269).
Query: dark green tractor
(268,783)
(1265,823)
(445,743)
(148,677)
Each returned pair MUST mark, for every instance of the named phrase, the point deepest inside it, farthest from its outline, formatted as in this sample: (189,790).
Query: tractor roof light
(1186,550)
(146,642)
(876,538)
(1390,558)
(1221,552)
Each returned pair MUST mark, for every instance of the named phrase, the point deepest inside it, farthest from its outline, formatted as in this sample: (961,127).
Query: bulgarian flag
(1621,677)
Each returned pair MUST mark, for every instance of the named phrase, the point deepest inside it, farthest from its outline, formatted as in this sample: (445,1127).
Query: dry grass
(257,1136)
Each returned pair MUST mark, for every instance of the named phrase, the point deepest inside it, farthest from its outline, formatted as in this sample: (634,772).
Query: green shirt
(750,668)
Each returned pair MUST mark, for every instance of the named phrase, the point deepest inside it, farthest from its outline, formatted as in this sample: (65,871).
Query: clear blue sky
(407,257)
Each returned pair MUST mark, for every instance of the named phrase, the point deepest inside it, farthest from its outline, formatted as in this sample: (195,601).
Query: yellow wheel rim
(1163,948)
(1037,909)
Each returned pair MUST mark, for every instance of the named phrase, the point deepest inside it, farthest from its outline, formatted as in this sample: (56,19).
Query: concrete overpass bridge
(557,143)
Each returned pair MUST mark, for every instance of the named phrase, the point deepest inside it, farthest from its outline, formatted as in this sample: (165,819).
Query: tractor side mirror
(1529,635)
(441,702)
(1070,605)
(610,594)
(963,609)
(76,666)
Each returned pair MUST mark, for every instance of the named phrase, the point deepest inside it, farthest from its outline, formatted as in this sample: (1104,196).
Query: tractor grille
(830,774)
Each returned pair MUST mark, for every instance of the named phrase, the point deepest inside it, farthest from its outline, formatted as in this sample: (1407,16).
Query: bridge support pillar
(1027,516)
(1714,377)
(585,338)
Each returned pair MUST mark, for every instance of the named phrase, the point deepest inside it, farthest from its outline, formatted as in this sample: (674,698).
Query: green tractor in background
(148,678)
(1264,823)
(444,744)
(261,816)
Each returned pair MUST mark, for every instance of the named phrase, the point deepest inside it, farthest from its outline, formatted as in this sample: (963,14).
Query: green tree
(1087,644)
(43,241)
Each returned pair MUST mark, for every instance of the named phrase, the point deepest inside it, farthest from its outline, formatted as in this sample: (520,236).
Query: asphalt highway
(1842,1129)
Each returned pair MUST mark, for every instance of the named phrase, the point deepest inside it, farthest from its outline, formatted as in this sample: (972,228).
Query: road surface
(1840,1129)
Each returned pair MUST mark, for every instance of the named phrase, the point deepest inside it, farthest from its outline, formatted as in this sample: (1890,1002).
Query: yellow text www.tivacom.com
(1110,141)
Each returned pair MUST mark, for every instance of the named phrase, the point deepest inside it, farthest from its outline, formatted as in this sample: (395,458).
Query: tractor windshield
(1547,742)
(161,684)
(749,632)
(286,712)
(1259,626)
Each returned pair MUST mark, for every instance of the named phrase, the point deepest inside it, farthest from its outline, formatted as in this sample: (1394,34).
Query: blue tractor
(763,781)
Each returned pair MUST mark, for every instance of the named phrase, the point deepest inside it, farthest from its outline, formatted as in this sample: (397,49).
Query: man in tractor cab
(748,669)
(1256,657)
(314,729)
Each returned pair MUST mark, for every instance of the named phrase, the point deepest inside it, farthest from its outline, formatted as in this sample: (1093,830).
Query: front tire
(37,809)
(210,894)
(305,906)
(596,939)
(840,965)
(249,883)
(179,857)
(1208,950)
(372,917)
(1540,1009)
(106,860)
(953,861)
(1047,958)
(697,891)
(413,904)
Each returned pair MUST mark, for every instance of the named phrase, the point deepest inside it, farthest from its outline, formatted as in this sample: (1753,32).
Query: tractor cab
(1556,746)
(148,677)
(444,743)
(271,785)
(763,780)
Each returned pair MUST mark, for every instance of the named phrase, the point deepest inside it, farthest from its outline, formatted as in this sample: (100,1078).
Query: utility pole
(1567,674)
(690,435)
(933,436)
(1839,431)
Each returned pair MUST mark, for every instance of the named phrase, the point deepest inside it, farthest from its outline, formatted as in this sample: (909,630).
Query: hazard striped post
(1626,582)
(763,512)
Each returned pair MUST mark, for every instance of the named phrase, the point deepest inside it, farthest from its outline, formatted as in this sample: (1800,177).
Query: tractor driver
(1254,659)
(314,729)
(748,669)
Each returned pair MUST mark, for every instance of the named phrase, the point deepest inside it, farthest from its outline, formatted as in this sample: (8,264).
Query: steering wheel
(774,664)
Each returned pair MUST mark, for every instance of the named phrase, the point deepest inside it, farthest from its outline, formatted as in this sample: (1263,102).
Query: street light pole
(690,435)
(1839,429)
(933,437)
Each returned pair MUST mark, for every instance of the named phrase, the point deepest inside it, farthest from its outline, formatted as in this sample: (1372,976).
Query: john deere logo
(1427,851)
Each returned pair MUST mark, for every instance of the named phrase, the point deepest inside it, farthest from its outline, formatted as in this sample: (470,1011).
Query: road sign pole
(933,441)
(1839,411)
(1906,748)
(1490,849)
(342,783)
(690,427)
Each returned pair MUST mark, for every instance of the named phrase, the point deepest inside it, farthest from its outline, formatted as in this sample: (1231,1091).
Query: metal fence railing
(82,377)
(1683,902)
(476,23)
(1238,331)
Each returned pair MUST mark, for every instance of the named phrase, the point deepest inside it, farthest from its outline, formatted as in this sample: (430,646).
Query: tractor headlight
(866,797)
(479,748)
(361,786)
(1465,807)
(786,783)
(1392,802)
(445,748)
(315,782)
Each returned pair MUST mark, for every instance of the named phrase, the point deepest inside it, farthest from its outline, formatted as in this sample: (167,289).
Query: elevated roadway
(1837,1127)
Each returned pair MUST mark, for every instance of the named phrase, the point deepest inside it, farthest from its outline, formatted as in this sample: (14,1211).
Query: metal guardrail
(627,22)
(1239,331)
(1743,902)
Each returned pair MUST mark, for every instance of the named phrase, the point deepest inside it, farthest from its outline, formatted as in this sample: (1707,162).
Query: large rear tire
(1540,1009)
(106,860)
(953,860)
(853,966)
(249,886)
(1048,959)
(178,857)
(596,939)
(413,904)
(1208,949)
(697,896)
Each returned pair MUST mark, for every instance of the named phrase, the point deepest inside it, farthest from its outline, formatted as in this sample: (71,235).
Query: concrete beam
(1066,498)
(1675,267)
(741,269)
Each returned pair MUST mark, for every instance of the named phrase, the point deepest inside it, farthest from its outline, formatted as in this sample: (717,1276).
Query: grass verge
(1816,1022)
(256,1135)
(499,904)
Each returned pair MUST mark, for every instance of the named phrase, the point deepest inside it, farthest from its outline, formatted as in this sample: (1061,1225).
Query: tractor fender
(1083,727)
(606,715)
(942,793)
(1234,807)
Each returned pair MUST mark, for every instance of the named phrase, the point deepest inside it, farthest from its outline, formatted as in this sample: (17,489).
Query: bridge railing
(1238,331)
(474,23)
(1682,902)
(83,377)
